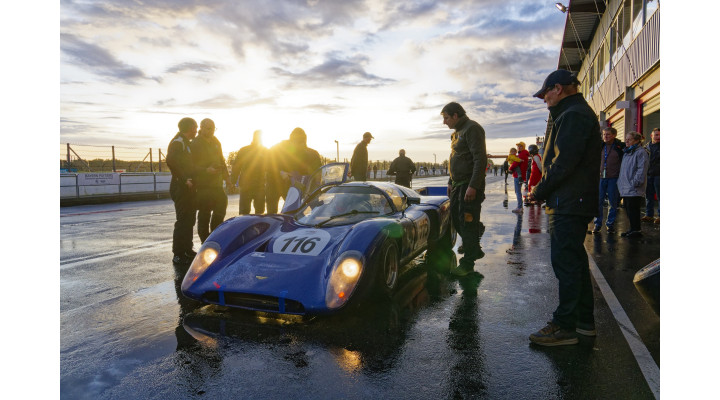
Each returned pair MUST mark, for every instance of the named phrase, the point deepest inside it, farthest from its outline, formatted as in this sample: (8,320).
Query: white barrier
(113,183)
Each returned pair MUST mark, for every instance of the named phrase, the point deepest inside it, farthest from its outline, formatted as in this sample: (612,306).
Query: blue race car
(335,243)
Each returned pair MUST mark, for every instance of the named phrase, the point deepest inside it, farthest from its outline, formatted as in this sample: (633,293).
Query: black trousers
(184,200)
(403,181)
(212,206)
(466,220)
(572,270)
(254,195)
(632,208)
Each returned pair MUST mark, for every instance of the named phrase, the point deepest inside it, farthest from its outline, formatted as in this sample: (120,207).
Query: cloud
(98,60)
(335,71)
(193,66)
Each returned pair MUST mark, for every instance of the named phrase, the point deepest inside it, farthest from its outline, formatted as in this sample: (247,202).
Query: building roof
(581,22)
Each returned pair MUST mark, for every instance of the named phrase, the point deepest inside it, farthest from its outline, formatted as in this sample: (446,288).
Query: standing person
(653,180)
(520,174)
(249,166)
(182,190)
(288,159)
(375,171)
(633,180)
(466,185)
(403,168)
(359,160)
(536,167)
(211,171)
(610,159)
(505,167)
(569,186)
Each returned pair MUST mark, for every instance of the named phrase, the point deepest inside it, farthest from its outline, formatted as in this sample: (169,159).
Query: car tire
(388,267)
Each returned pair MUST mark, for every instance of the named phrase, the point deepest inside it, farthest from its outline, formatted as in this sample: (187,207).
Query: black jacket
(468,157)
(654,149)
(249,165)
(359,161)
(207,152)
(571,162)
(402,167)
(179,159)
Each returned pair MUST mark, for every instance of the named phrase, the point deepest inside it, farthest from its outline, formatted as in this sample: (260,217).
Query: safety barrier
(113,185)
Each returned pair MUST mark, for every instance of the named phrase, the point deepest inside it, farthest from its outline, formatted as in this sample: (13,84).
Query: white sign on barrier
(99,179)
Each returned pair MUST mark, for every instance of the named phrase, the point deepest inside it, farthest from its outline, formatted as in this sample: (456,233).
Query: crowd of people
(579,166)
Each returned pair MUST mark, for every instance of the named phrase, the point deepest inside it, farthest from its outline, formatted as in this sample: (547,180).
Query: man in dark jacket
(653,179)
(569,186)
(403,168)
(182,190)
(210,172)
(610,160)
(249,166)
(466,185)
(289,159)
(359,160)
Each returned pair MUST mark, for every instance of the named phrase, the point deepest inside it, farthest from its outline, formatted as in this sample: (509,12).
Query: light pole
(338,151)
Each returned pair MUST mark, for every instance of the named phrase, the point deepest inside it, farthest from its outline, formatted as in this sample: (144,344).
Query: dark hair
(611,129)
(453,108)
(186,123)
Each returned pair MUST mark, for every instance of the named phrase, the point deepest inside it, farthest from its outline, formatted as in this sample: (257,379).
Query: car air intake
(255,302)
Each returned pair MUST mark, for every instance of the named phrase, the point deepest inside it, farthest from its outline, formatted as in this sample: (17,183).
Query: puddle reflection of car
(335,243)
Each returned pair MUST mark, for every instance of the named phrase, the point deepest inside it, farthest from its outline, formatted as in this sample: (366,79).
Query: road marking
(647,365)
(92,212)
(76,262)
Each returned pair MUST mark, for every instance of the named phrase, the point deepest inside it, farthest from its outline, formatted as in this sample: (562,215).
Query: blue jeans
(608,186)
(518,191)
(653,187)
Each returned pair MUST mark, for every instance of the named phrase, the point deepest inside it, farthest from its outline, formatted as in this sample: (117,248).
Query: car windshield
(341,205)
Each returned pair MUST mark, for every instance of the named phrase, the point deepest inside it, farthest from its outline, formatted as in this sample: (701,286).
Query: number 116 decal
(306,242)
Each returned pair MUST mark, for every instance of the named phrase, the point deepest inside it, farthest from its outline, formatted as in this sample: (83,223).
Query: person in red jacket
(536,169)
(520,177)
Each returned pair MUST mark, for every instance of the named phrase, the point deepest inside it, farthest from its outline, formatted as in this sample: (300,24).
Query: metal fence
(92,158)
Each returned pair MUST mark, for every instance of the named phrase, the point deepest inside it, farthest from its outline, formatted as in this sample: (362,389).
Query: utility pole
(338,151)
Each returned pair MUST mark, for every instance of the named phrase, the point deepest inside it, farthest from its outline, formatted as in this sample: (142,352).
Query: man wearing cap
(519,174)
(466,185)
(569,186)
(359,160)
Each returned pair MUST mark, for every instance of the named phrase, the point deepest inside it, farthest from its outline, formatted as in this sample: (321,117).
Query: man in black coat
(403,168)
(182,190)
(249,167)
(569,186)
(359,160)
(211,171)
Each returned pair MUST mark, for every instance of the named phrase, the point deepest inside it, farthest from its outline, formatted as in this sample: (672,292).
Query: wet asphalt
(127,332)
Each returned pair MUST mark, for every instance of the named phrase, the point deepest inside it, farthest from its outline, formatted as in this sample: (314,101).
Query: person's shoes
(553,335)
(657,220)
(611,228)
(461,249)
(518,210)
(191,253)
(181,259)
(585,328)
(647,219)
(463,269)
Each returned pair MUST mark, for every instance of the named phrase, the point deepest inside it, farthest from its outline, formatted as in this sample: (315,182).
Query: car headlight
(344,277)
(204,258)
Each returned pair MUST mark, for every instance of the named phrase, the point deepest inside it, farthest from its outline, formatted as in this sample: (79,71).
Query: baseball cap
(368,135)
(561,76)
(520,144)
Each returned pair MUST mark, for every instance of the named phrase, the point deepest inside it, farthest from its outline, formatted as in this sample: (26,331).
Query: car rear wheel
(388,267)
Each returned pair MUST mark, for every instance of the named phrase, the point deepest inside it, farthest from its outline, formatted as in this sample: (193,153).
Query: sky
(129,70)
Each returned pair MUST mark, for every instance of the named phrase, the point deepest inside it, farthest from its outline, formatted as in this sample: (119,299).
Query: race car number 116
(306,242)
